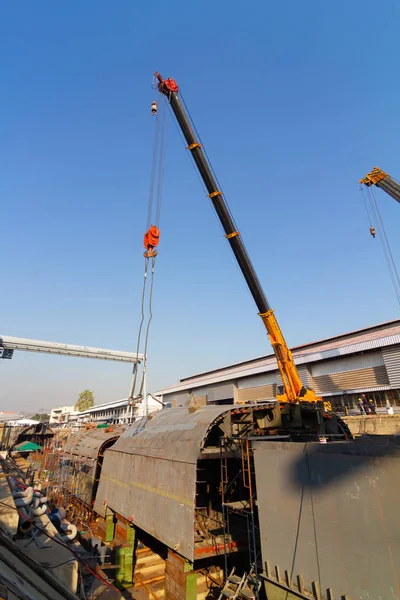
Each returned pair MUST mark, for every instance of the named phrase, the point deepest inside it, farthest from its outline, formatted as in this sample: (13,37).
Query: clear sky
(295,101)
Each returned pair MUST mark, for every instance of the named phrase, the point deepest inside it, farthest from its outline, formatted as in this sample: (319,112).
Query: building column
(124,559)
(110,527)
(180,579)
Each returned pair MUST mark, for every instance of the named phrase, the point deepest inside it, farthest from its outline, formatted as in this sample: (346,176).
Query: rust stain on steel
(149,474)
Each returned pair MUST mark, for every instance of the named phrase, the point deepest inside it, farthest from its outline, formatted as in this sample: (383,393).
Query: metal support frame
(241,446)
(43,347)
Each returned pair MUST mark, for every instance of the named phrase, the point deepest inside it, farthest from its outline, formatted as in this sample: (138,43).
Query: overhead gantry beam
(13,343)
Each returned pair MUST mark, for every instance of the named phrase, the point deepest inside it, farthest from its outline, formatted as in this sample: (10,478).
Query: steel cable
(386,246)
(157,173)
(133,387)
(148,327)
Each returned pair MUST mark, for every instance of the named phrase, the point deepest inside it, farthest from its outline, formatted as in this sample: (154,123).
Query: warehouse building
(338,368)
(120,411)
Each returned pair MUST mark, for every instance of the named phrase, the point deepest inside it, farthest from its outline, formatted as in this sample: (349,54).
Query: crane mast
(293,389)
(384,181)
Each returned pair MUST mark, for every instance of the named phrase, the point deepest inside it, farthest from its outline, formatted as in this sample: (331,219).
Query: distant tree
(42,417)
(85,401)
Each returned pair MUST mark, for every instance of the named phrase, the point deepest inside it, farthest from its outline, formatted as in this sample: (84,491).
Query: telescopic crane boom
(293,389)
(384,181)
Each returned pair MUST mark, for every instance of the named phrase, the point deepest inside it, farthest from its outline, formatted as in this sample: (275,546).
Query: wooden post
(287,577)
(316,591)
(110,526)
(300,583)
(267,568)
(277,573)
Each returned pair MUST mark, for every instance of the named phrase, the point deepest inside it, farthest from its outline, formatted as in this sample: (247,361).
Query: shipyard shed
(338,368)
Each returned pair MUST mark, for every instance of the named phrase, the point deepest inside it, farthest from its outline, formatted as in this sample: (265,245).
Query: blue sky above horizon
(294,102)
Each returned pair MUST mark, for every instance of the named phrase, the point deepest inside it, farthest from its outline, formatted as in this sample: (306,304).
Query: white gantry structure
(8,344)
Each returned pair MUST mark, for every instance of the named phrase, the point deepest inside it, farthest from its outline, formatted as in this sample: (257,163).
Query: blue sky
(294,102)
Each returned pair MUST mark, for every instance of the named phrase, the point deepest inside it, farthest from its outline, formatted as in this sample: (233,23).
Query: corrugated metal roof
(391,356)
(352,362)
(105,406)
(359,341)
(8,416)
(379,388)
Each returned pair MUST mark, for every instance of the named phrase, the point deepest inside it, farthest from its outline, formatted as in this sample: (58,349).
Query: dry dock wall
(330,514)
(373,424)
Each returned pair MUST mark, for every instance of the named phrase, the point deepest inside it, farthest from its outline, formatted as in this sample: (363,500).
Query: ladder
(240,588)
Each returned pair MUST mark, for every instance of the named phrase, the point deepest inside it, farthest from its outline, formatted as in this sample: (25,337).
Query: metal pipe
(38,512)
(73,531)
(18,493)
(24,500)
(24,524)
(60,512)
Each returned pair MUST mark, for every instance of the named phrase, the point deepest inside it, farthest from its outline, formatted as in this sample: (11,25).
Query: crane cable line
(206,155)
(391,261)
(153,219)
(373,212)
(366,207)
(198,137)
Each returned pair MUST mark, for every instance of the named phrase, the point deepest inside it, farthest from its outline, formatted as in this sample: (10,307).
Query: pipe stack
(31,503)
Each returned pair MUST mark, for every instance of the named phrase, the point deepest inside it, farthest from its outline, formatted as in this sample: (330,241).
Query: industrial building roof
(361,340)
(105,406)
(8,416)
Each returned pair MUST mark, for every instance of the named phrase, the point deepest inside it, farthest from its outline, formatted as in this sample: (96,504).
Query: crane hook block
(151,239)
(154,108)
(372,231)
